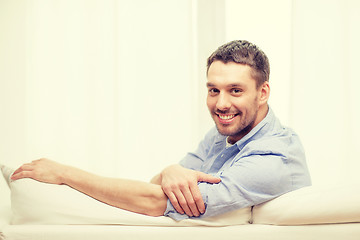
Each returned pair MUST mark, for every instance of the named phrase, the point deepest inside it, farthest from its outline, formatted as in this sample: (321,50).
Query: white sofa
(45,211)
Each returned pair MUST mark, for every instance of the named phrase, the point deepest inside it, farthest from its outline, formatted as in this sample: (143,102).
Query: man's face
(233,99)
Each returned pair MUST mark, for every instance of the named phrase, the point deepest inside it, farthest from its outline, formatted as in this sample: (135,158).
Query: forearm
(135,196)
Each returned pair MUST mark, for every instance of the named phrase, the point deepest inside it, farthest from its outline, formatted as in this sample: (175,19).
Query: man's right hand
(181,187)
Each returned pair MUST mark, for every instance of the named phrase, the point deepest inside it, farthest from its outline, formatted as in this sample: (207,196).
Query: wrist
(66,174)
(156,179)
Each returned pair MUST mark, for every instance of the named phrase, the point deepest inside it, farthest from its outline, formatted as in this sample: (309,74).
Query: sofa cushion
(312,205)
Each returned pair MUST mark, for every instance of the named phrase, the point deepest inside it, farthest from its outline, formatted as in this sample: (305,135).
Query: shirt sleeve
(250,181)
(263,170)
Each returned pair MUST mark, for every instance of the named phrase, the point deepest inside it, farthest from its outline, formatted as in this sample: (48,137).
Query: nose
(223,102)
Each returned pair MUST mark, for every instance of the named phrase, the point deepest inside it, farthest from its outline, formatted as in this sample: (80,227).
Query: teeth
(226,117)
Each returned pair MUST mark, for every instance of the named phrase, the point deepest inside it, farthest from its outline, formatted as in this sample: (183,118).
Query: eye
(236,91)
(213,91)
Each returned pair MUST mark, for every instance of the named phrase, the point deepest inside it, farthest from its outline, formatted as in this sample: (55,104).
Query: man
(249,158)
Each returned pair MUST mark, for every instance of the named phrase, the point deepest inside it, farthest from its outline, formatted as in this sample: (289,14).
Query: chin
(236,133)
(224,131)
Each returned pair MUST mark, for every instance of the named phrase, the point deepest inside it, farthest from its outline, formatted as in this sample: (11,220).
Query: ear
(264,93)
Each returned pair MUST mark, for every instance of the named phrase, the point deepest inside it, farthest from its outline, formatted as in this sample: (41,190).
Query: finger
(190,202)
(175,202)
(183,203)
(169,192)
(203,177)
(24,167)
(20,175)
(196,194)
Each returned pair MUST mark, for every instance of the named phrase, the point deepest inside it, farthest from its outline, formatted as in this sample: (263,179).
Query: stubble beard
(239,131)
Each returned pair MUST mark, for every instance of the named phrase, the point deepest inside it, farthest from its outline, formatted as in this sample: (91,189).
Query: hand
(42,170)
(181,187)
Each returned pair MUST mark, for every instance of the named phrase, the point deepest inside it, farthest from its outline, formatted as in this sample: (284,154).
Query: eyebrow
(232,85)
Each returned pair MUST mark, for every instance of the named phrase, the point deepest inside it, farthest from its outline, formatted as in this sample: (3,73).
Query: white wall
(118,87)
(104,85)
(313,47)
(325,82)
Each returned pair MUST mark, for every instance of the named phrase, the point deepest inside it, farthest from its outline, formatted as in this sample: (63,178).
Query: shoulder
(273,138)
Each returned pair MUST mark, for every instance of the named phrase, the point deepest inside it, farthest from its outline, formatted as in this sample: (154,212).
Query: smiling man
(247,159)
(255,158)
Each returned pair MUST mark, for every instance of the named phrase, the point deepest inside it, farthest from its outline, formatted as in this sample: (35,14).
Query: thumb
(203,177)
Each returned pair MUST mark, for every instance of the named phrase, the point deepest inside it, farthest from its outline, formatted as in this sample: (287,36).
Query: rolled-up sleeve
(249,181)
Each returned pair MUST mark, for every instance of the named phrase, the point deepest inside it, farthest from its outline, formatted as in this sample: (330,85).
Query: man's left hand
(181,187)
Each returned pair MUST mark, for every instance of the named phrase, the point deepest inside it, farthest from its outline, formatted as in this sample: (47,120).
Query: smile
(226,118)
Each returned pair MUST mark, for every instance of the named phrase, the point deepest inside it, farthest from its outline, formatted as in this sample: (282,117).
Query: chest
(220,158)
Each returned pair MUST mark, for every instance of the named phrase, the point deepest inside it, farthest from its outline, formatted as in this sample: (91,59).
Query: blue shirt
(266,163)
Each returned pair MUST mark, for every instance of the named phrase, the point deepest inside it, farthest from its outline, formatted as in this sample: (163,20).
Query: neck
(263,111)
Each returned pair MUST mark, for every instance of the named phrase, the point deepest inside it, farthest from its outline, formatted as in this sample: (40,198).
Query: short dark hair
(244,52)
